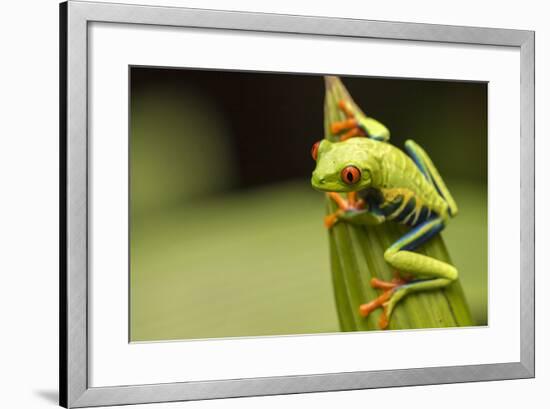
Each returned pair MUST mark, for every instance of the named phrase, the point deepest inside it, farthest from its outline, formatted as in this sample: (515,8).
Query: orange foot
(349,125)
(352,203)
(389,288)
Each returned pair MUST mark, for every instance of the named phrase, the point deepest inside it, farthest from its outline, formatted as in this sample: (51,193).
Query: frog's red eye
(315,149)
(350,175)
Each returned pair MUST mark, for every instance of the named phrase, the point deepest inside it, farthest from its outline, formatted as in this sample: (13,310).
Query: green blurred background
(226,233)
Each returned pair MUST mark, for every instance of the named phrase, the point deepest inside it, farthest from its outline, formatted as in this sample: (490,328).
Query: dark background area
(273,119)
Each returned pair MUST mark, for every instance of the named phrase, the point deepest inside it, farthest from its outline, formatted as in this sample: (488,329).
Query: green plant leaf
(357,255)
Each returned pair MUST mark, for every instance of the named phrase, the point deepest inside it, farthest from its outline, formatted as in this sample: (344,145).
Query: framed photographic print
(258,204)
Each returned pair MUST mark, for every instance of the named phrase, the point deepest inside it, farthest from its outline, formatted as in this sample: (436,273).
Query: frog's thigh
(400,256)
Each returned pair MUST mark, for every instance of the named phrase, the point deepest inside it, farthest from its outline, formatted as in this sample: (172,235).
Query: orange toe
(366,309)
(382,285)
(346,108)
(344,125)
(330,220)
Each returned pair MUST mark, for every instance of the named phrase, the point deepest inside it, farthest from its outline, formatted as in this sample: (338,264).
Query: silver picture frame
(75,16)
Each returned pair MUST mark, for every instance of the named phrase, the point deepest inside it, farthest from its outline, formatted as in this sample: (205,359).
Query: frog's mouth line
(333,187)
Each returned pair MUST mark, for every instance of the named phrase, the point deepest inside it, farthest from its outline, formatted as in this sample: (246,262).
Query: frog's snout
(317,181)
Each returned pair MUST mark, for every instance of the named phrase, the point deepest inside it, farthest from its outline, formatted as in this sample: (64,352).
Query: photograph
(270,204)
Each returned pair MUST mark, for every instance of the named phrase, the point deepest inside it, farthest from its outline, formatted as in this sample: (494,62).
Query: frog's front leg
(400,256)
(352,210)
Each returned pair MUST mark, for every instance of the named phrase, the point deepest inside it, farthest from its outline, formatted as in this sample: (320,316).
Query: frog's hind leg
(350,125)
(426,166)
(401,256)
(358,124)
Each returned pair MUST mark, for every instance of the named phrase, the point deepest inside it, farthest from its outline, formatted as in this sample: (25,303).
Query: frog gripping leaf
(383,184)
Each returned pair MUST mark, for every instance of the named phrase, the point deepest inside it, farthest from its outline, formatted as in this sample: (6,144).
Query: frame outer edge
(63,370)
(282,23)
(79,14)
(527,235)
(297,384)
(77,206)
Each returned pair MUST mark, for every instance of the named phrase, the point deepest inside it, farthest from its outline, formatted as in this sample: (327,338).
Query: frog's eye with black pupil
(350,175)
(314,150)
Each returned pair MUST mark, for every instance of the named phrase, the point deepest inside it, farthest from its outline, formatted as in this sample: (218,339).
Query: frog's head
(342,166)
